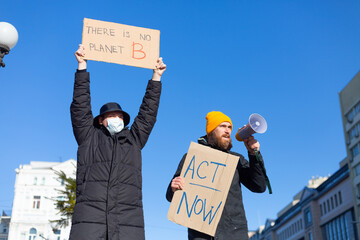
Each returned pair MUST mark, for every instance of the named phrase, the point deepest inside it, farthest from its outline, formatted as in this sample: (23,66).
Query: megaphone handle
(263,170)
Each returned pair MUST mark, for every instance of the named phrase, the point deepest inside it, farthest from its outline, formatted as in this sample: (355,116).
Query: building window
(297,226)
(336,200)
(310,236)
(57,233)
(328,205)
(354,151)
(340,198)
(43,181)
(35,180)
(321,210)
(332,202)
(357,170)
(352,133)
(358,190)
(324,205)
(350,116)
(357,109)
(337,228)
(36,202)
(307,214)
(32,234)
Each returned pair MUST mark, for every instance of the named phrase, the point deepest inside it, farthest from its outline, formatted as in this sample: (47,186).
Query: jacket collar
(122,134)
(204,141)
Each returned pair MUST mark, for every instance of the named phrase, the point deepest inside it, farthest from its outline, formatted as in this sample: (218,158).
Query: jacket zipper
(110,171)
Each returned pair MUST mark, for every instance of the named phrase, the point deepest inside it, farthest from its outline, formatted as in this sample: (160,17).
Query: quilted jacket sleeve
(80,109)
(251,174)
(146,118)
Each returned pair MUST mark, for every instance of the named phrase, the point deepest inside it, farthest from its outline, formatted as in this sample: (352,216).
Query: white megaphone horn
(257,124)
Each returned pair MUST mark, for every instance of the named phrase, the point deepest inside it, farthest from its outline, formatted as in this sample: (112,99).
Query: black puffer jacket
(108,179)
(233,223)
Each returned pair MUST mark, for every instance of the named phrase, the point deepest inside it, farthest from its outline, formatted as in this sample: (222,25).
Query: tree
(65,202)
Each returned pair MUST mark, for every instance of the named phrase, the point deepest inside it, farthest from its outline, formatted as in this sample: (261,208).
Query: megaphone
(257,124)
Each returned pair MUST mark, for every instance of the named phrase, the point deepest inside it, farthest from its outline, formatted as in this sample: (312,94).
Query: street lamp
(8,39)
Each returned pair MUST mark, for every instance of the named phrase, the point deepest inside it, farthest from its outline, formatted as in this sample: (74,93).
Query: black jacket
(108,178)
(232,224)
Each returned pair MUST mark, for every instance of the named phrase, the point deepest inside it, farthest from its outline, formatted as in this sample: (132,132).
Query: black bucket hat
(111,107)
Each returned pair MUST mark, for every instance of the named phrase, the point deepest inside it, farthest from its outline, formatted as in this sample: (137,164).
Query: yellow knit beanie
(214,119)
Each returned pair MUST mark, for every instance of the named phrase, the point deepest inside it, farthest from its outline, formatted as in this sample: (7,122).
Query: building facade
(4,225)
(330,209)
(36,187)
(350,112)
(323,212)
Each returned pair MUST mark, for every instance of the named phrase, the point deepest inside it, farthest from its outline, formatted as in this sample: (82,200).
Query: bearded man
(233,223)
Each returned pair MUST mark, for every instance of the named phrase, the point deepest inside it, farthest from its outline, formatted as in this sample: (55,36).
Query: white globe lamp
(8,39)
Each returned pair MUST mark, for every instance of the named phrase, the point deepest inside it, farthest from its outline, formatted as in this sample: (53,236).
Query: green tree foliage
(65,202)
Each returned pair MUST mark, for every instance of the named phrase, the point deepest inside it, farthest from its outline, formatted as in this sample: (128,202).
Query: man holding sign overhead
(232,223)
(108,179)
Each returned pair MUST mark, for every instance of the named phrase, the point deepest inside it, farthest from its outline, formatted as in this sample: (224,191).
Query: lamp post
(8,39)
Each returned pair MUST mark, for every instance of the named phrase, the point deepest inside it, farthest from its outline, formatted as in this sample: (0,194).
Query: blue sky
(286,60)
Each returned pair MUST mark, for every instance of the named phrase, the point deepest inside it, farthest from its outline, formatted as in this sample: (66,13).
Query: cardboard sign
(208,174)
(119,43)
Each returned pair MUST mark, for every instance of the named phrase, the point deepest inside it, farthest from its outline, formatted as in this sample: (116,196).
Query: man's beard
(219,142)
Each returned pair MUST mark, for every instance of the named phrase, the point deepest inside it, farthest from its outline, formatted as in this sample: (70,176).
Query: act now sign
(208,174)
(119,43)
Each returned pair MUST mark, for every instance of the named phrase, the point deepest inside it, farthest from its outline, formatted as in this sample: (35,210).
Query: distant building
(267,232)
(4,225)
(36,186)
(256,235)
(350,112)
(328,208)
(324,209)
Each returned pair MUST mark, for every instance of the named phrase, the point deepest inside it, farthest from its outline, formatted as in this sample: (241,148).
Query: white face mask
(115,125)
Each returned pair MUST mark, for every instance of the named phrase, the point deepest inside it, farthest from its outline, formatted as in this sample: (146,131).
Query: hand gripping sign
(119,43)
(208,174)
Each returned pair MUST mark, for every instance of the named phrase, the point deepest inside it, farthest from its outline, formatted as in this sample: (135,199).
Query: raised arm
(80,54)
(80,109)
(146,118)
(159,70)
(251,173)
